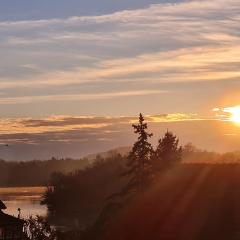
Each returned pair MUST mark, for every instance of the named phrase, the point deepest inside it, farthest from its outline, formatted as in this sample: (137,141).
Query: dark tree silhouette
(37,172)
(168,152)
(140,159)
(77,198)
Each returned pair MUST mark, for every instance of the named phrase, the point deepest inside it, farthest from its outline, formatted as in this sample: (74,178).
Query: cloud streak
(126,54)
(81,97)
(75,136)
(60,123)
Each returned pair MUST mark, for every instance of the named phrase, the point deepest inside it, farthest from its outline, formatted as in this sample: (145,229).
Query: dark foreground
(190,202)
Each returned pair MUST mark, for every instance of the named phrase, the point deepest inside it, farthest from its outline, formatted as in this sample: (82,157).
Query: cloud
(72,97)
(175,117)
(69,123)
(136,55)
(184,37)
(75,136)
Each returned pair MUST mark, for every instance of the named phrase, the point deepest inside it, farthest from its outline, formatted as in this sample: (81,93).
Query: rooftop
(6,219)
(2,205)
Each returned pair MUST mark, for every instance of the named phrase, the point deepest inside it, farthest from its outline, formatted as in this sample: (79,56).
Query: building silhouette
(11,228)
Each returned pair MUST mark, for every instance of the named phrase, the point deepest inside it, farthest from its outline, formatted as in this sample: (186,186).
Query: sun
(234,114)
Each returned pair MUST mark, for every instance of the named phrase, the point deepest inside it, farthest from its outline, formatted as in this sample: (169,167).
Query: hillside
(108,154)
(190,202)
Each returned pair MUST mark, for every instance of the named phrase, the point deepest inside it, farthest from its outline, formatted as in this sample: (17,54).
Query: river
(26,198)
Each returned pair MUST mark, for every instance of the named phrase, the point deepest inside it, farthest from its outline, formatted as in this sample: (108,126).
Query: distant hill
(120,150)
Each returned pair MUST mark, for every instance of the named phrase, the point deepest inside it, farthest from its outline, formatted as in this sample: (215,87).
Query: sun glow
(234,114)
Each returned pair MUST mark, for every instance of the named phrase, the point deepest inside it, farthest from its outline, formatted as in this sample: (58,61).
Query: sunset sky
(75,73)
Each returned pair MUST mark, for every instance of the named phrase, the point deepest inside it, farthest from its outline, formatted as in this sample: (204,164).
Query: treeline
(36,173)
(77,198)
(191,154)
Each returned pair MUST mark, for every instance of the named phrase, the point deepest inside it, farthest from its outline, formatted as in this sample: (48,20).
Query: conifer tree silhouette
(140,159)
(168,152)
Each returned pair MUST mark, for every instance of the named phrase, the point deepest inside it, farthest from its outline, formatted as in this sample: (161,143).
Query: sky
(70,70)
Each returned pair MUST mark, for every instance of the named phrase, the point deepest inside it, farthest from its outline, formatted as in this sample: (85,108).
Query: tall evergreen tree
(168,152)
(140,159)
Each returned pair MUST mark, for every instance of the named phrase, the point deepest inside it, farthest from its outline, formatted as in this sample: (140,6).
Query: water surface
(26,198)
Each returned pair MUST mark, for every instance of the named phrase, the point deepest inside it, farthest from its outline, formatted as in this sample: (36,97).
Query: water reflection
(26,198)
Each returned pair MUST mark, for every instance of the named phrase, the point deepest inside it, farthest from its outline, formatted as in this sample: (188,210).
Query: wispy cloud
(75,136)
(74,97)
(63,123)
(124,54)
